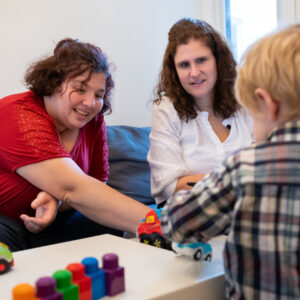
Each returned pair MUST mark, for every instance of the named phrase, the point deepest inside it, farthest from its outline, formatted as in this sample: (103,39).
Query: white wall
(133,34)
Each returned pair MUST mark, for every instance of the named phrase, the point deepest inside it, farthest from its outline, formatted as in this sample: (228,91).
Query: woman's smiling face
(77,101)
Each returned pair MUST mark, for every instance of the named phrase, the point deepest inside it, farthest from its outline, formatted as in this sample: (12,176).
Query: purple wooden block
(114,275)
(46,289)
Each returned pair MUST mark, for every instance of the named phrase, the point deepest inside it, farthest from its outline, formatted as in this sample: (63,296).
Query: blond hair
(272,63)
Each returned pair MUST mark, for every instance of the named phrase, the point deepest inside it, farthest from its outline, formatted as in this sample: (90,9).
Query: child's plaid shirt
(255,198)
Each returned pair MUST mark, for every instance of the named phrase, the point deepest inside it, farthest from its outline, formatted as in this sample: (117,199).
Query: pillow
(129,171)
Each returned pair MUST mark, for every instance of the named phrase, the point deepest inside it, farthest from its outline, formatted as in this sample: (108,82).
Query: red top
(28,135)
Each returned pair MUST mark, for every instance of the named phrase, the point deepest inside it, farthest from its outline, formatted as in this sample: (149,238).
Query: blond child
(255,195)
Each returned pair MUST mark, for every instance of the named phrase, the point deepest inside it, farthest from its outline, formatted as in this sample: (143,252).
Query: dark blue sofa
(129,171)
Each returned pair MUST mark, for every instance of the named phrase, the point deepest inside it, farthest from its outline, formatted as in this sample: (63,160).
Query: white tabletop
(150,272)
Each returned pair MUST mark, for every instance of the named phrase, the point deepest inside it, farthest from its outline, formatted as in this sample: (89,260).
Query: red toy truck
(150,233)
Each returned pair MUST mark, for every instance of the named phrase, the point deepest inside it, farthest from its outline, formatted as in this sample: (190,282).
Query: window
(248,20)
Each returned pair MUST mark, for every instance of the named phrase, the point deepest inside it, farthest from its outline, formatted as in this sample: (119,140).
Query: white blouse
(179,148)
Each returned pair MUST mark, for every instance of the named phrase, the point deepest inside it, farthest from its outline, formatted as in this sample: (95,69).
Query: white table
(150,272)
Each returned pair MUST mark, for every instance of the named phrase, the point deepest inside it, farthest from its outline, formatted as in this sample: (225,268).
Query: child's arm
(204,211)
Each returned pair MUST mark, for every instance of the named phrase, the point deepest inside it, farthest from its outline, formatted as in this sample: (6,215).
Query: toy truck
(6,259)
(149,232)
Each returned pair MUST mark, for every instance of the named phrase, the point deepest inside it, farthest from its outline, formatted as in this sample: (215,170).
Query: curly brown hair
(224,102)
(70,59)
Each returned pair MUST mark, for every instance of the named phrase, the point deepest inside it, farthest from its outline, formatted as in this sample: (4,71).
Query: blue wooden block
(92,270)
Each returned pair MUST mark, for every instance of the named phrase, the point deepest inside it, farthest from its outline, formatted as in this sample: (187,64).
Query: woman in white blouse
(196,120)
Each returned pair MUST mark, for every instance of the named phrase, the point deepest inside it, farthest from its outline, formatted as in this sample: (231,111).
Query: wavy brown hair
(70,59)
(224,102)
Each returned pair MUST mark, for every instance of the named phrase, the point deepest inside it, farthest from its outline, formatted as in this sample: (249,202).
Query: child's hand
(46,208)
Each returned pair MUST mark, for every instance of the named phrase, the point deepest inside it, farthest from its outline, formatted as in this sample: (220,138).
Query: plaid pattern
(255,198)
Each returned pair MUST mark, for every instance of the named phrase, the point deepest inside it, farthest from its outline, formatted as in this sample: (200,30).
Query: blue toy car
(198,251)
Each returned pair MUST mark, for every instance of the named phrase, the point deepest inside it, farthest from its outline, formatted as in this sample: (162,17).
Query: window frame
(288,12)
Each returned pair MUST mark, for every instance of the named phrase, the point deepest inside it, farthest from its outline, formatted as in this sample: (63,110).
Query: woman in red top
(54,151)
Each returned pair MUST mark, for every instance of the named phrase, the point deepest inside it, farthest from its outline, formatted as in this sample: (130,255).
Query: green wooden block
(64,285)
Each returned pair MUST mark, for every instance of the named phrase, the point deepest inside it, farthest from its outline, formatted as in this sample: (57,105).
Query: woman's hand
(46,208)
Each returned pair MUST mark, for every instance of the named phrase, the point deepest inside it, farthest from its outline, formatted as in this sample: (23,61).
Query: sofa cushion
(129,171)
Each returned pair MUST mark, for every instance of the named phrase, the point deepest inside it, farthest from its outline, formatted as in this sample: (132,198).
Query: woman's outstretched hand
(46,208)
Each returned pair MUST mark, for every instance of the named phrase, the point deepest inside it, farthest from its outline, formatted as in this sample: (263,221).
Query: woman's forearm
(107,206)
(64,180)
(182,183)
